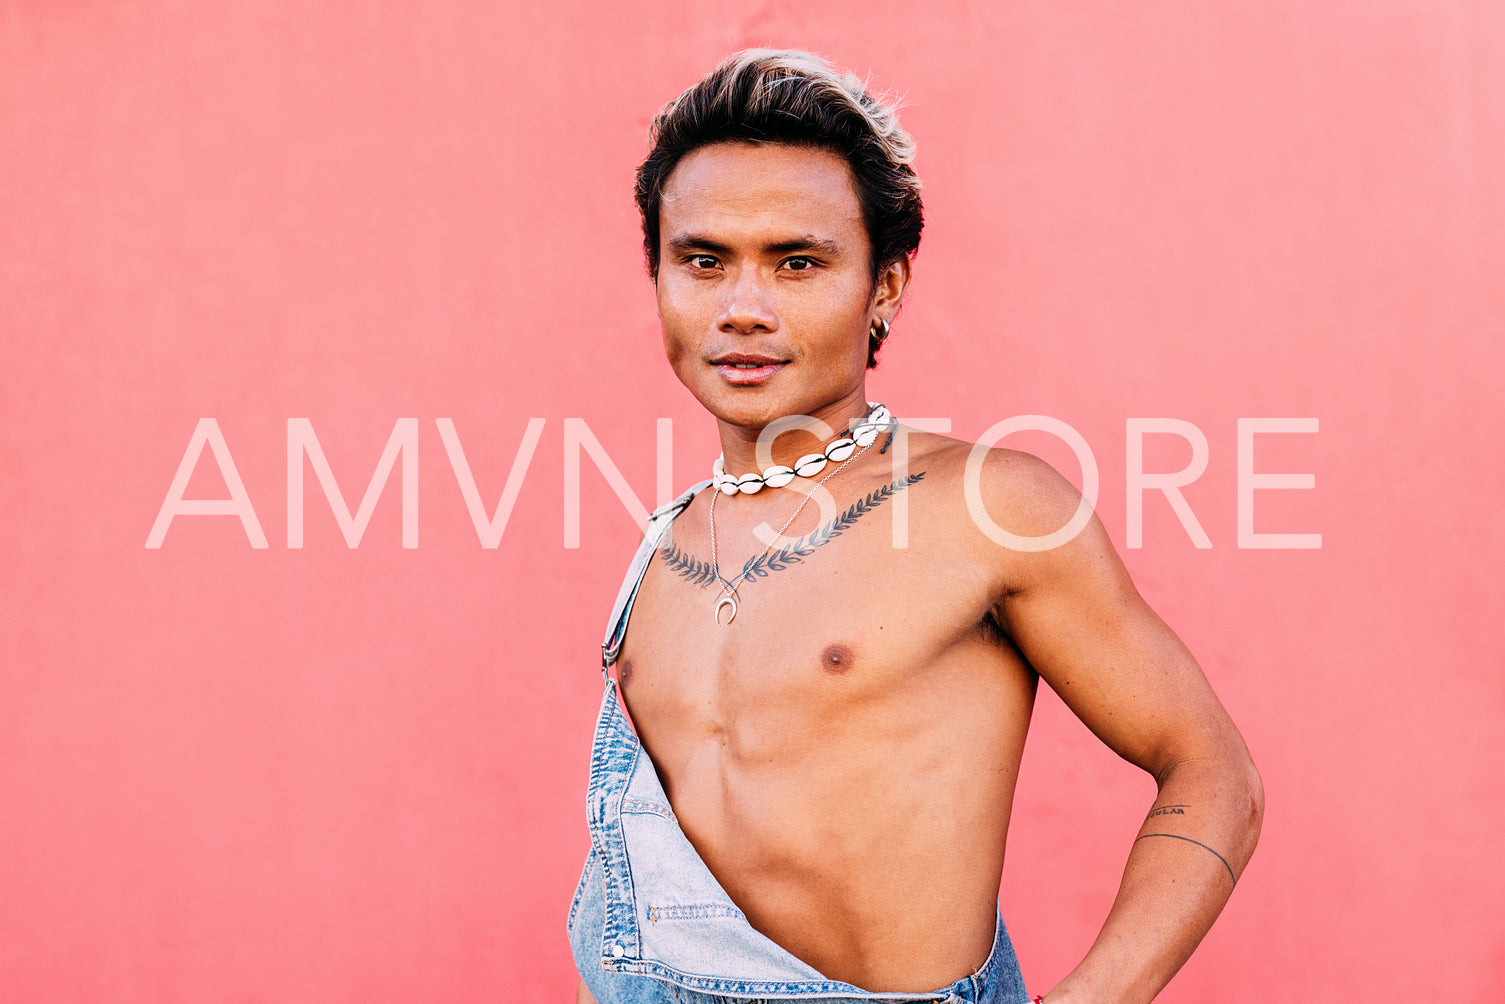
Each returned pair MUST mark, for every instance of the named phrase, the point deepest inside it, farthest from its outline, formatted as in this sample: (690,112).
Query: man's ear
(888,291)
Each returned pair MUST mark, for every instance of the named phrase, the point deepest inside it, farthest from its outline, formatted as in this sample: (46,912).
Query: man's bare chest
(835,623)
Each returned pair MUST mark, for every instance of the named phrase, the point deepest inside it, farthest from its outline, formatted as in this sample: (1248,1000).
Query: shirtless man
(836,722)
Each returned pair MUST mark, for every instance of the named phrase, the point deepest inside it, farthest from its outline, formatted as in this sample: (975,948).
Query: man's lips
(746,368)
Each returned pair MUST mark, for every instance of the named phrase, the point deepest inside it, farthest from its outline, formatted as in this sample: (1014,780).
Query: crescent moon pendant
(726,601)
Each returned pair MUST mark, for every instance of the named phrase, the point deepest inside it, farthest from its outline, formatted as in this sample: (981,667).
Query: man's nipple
(836,659)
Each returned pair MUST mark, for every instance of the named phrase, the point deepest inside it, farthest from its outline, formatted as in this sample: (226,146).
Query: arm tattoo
(1177,836)
(699,572)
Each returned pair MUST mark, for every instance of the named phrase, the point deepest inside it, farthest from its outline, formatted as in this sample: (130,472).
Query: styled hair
(795,98)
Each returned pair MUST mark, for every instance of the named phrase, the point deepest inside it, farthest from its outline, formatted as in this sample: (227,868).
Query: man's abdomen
(861,827)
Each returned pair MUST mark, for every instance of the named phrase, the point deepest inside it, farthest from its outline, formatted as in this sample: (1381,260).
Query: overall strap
(658,523)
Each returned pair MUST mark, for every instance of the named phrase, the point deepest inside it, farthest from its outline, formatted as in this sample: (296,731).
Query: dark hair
(796,98)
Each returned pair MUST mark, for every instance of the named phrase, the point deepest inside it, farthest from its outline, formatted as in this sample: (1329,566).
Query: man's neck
(797,436)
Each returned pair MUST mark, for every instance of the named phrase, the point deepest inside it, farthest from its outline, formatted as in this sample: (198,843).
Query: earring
(874,333)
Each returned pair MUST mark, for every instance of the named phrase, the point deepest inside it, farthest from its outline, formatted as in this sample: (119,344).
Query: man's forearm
(1184,864)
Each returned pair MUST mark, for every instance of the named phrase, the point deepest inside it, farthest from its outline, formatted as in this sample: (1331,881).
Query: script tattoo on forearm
(700,573)
(1180,810)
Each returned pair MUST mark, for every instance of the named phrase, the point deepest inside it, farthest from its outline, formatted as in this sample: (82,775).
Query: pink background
(326,774)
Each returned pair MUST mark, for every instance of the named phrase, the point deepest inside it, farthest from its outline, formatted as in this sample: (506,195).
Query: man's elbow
(1234,784)
(1243,807)
(1254,787)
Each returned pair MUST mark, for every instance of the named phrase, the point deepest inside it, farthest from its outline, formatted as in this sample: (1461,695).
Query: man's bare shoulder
(1017,491)
(1010,517)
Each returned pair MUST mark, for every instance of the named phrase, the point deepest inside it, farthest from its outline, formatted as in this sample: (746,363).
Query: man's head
(793,98)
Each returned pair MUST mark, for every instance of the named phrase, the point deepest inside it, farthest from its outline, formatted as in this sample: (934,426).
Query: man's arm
(1078,619)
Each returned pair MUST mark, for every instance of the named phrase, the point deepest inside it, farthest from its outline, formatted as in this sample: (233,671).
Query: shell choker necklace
(808,466)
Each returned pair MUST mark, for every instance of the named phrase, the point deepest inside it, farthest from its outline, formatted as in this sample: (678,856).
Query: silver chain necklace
(728,595)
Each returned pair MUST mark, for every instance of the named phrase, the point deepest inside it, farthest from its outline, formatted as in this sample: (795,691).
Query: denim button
(617,952)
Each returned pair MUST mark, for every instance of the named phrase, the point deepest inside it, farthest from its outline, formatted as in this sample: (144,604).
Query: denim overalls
(650,923)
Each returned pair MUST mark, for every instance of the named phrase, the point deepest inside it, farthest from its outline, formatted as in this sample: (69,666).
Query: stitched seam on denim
(639,805)
(614,770)
(697,911)
(776,988)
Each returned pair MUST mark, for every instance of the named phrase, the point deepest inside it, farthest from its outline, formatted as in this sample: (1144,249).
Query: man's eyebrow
(682,242)
(809,242)
(695,242)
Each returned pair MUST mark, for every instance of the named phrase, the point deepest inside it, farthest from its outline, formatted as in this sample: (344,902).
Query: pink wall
(325,774)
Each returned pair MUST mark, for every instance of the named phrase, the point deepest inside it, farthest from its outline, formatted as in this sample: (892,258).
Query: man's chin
(749,407)
(755,407)
(748,416)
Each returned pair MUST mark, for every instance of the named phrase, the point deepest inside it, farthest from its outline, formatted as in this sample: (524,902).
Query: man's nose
(748,306)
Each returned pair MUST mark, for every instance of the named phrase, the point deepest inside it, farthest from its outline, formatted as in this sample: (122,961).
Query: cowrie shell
(778,476)
(810,465)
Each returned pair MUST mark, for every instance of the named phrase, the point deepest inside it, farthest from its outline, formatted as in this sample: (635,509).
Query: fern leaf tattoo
(701,573)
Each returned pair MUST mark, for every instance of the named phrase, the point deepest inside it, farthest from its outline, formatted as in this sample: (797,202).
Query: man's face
(764,289)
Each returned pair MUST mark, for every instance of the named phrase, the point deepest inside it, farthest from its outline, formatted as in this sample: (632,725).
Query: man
(812,798)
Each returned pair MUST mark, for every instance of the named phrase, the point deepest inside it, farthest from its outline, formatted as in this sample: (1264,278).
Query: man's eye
(702,261)
(799,264)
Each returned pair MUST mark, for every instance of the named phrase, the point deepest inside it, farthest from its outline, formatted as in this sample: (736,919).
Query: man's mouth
(745,369)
